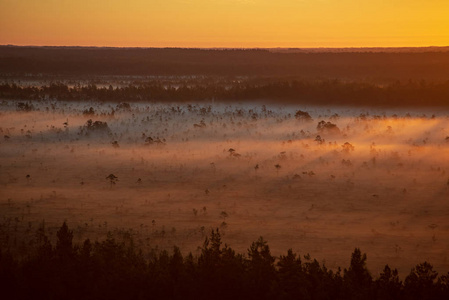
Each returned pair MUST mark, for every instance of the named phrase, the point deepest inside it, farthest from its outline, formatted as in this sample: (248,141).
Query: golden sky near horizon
(225,23)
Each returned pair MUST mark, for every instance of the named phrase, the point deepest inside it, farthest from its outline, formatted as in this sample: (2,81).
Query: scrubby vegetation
(300,91)
(117,269)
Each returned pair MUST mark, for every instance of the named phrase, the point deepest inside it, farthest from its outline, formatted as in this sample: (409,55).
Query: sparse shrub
(347,147)
(124,106)
(21,106)
(224,215)
(335,117)
(89,112)
(97,127)
(327,127)
(278,167)
(112,179)
(303,116)
(150,141)
(346,163)
(319,140)
(201,124)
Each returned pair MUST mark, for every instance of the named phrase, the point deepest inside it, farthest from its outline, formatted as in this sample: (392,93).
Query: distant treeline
(79,61)
(321,92)
(113,269)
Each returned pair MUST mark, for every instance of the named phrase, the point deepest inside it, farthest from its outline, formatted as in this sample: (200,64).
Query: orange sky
(225,23)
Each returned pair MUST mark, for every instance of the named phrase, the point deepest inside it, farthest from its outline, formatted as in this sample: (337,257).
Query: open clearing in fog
(251,170)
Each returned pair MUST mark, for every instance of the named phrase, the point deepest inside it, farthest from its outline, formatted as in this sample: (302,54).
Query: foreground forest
(117,269)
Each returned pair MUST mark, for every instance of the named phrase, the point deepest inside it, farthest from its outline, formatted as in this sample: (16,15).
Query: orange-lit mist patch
(386,192)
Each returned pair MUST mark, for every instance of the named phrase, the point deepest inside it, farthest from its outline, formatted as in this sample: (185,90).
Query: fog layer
(377,180)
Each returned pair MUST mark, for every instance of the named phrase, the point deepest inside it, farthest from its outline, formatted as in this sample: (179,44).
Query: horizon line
(222,48)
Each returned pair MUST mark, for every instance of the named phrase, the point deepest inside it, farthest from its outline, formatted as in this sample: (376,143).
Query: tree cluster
(321,92)
(113,269)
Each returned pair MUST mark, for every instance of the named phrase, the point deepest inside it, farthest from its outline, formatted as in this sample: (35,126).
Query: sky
(225,23)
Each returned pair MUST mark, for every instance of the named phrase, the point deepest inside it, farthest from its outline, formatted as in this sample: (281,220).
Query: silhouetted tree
(89,112)
(261,269)
(327,127)
(420,283)
(443,286)
(64,247)
(357,278)
(112,269)
(303,116)
(388,285)
(278,167)
(112,179)
(291,277)
(347,147)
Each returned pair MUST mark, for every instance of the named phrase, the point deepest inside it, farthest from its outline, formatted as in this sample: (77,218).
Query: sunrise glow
(225,23)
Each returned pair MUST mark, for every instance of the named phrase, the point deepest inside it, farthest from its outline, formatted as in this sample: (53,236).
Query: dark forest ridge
(362,50)
(356,64)
(275,49)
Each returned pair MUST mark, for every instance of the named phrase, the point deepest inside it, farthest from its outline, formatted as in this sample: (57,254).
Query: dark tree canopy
(116,269)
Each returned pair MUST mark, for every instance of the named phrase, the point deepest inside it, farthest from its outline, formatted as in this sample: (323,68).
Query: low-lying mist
(320,181)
